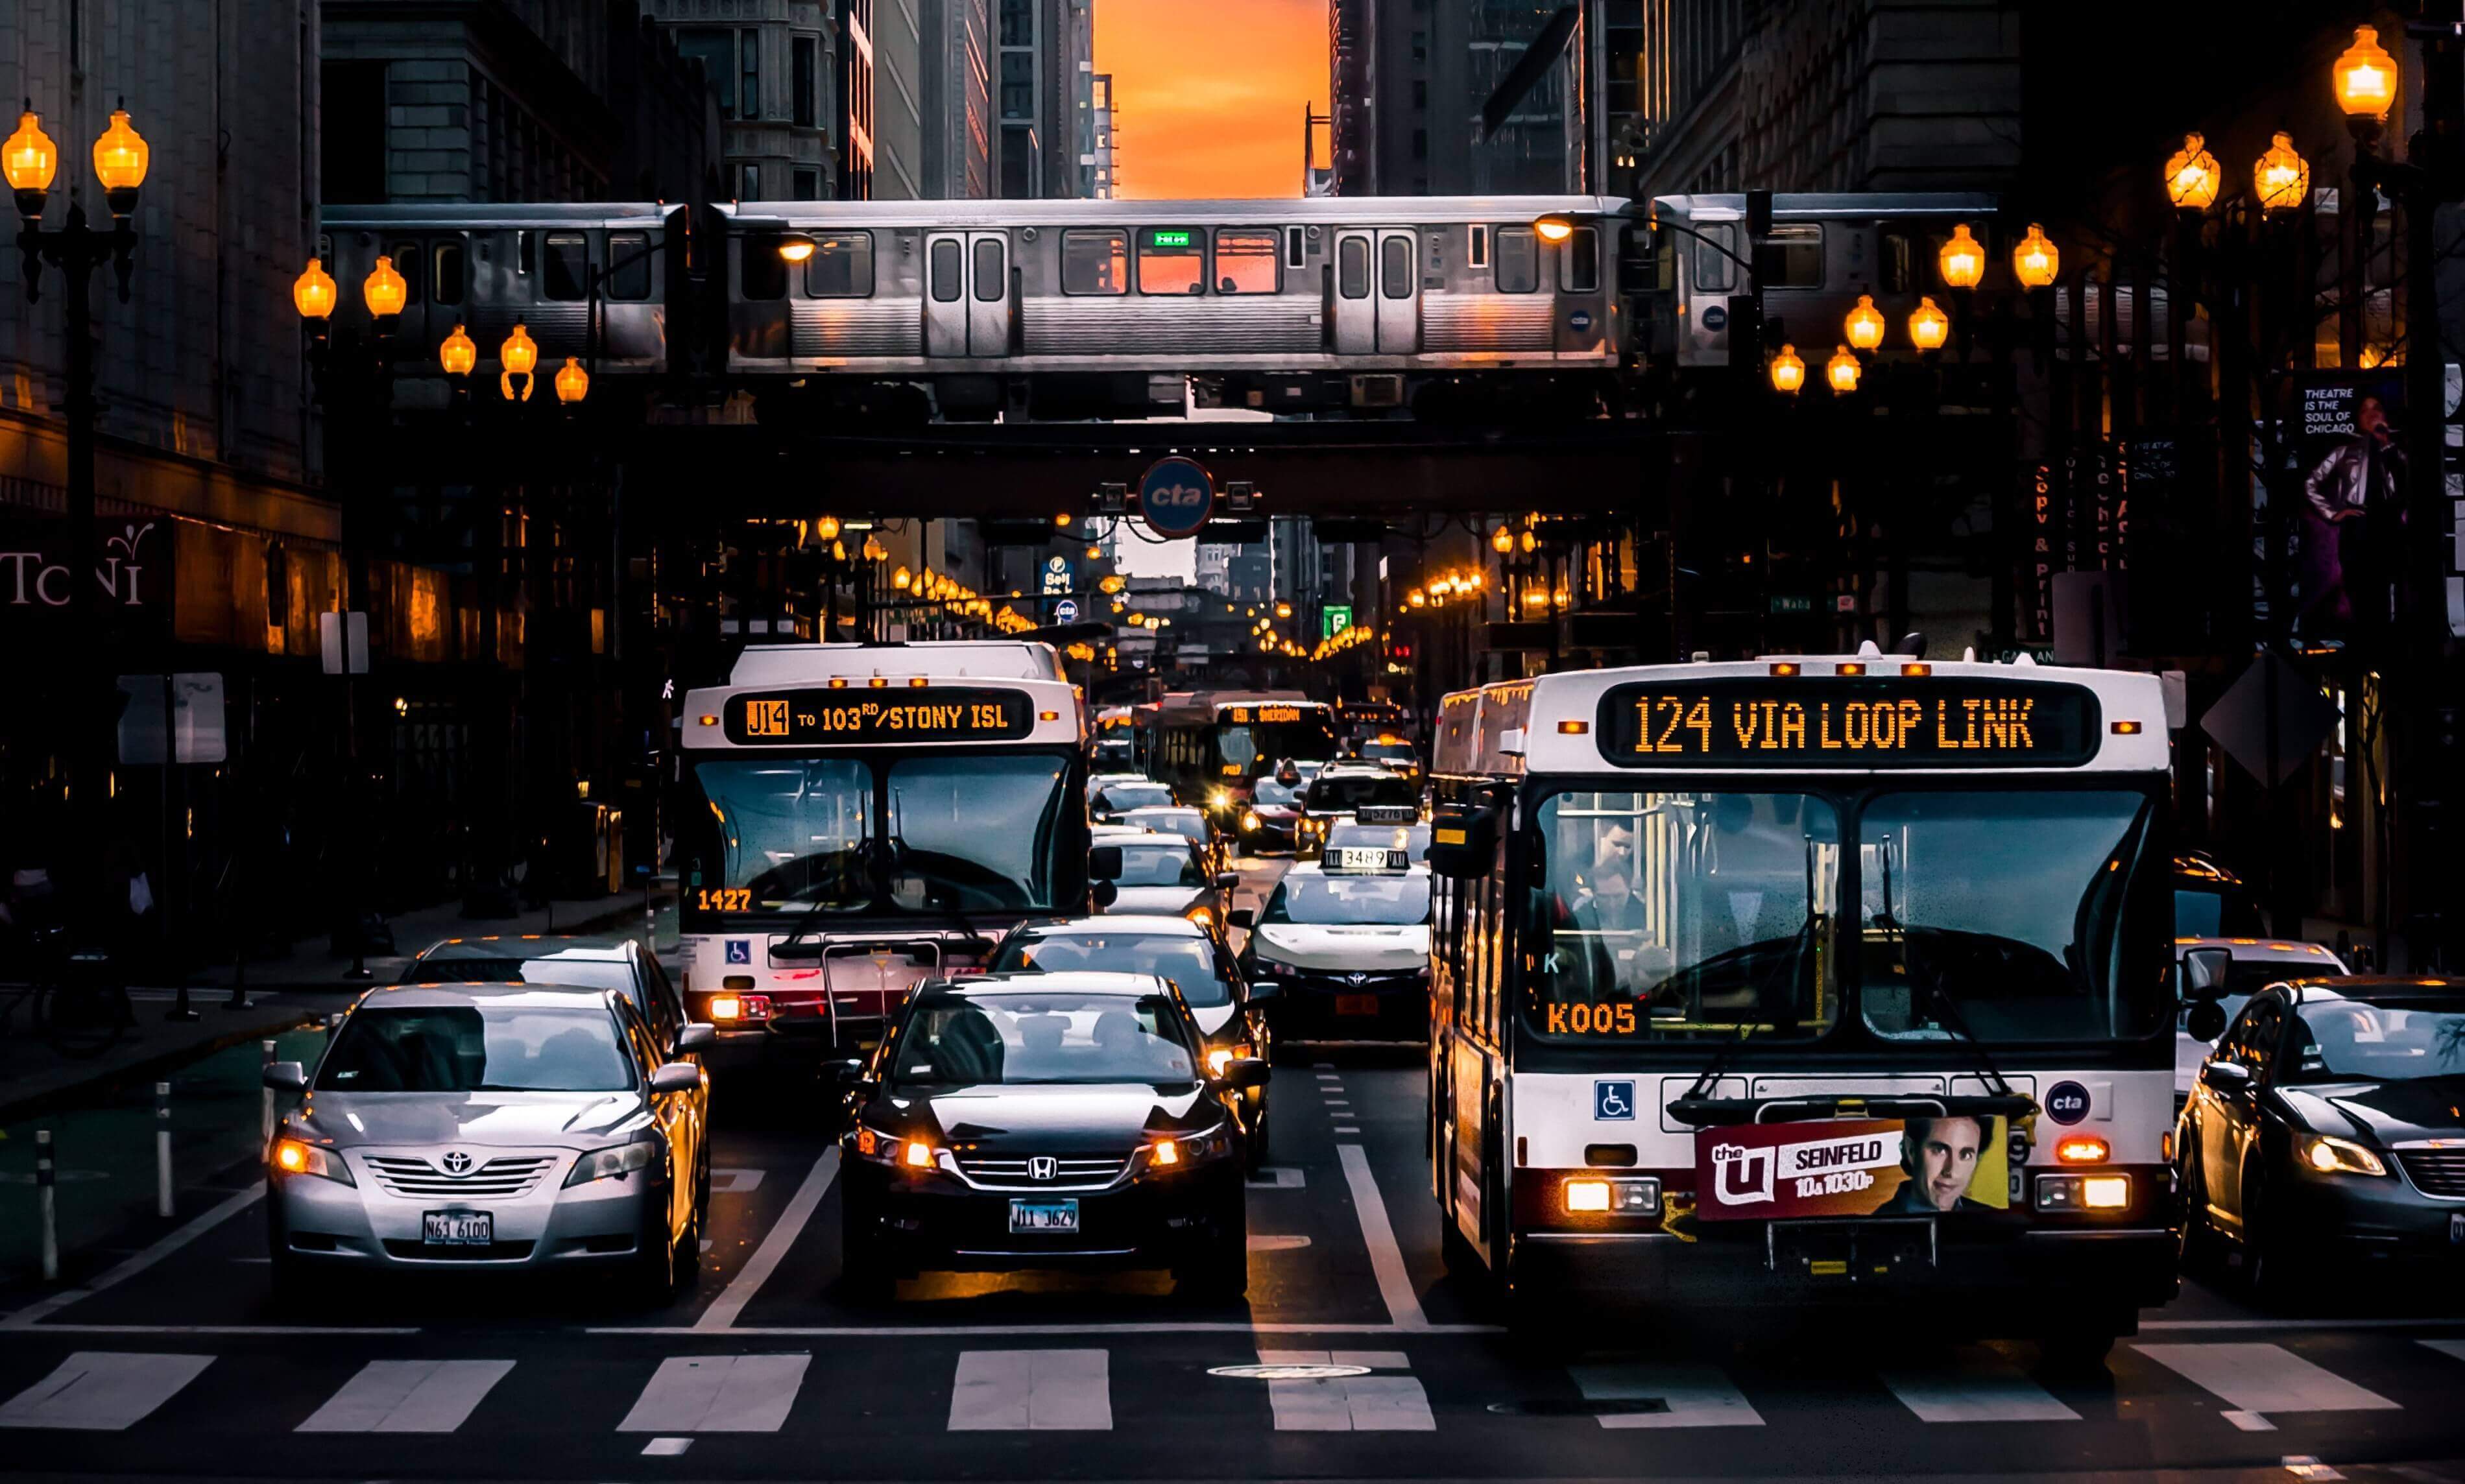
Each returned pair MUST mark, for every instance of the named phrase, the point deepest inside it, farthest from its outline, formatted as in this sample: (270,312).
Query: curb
(150,1069)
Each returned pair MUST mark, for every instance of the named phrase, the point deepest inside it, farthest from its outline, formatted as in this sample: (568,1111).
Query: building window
(1245,262)
(1018,84)
(748,182)
(1420,92)
(1018,22)
(1094,262)
(1420,144)
(1420,46)
(1172,260)
(716,51)
(807,55)
(1519,260)
(808,184)
(748,94)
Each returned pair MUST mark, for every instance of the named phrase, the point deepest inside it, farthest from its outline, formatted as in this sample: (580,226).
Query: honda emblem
(1043,1166)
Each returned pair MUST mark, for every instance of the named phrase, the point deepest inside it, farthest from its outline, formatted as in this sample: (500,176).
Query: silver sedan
(492,1126)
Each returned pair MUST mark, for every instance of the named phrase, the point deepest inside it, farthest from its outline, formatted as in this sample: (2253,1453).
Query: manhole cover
(1579,1406)
(1287,1372)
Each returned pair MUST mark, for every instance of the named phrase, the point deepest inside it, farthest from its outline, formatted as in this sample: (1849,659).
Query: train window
(1094,262)
(945,269)
(566,274)
(1245,262)
(1352,267)
(1713,265)
(1480,247)
(1172,260)
(1519,260)
(446,270)
(1583,270)
(628,265)
(841,266)
(1296,255)
(1395,267)
(1896,262)
(992,276)
(406,259)
(1792,257)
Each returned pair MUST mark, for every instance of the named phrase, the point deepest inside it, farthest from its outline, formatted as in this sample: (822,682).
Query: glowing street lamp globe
(1928,327)
(1842,370)
(2035,260)
(1787,371)
(2281,177)
(2192,175)
(2366,77)
(1864,325)
(1962,259)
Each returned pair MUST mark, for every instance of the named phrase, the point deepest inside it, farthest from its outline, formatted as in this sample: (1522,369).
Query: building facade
(776,73)
(1044,82)
(1408,80)
(955,100)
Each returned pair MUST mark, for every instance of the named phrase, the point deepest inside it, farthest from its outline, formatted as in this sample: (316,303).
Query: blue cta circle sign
(1176,497)
(1065,612)
(1716,317)
(2067,1102)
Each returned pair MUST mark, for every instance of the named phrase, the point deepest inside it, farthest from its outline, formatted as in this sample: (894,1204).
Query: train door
(967,293)
(1377,293)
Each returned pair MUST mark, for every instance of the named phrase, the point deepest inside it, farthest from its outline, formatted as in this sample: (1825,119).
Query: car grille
(2435,1171)
(1008,1174)
(504,1177)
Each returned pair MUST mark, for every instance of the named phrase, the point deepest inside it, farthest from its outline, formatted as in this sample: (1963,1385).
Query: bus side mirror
(1104,863)
(1464,841)
(1240,917)
(2205,1021)
(2205,971)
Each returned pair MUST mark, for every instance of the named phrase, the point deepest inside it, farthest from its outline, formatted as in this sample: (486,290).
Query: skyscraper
(778,79)
(1408,80)
(1045,84)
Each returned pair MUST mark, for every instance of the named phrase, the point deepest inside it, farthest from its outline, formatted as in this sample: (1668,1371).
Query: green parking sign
(1334,621)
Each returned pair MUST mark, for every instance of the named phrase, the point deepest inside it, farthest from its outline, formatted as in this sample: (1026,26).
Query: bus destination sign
(1243,716)
(1878,721)
(943,714)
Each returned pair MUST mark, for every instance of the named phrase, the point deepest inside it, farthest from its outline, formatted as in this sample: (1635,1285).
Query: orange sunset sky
(1210,93)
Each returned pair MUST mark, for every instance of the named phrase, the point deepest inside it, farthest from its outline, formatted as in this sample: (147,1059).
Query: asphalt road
(174,1365)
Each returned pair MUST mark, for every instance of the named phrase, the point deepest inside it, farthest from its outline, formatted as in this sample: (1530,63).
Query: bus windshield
(1259,745)
(1684,915)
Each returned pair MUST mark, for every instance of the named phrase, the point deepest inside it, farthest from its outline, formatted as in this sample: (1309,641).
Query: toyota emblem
(1043,1166)
(1356,979)
(456,1162)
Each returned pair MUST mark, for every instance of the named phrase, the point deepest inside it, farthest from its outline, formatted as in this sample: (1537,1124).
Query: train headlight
(1553,229)
(796,247)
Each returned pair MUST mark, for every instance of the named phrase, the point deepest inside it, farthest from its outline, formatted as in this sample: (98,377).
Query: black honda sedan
(2330,1122)
(1047,1120)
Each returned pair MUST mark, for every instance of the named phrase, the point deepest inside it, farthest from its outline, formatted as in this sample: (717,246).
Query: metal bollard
(266,1119)
(47,1204)
(161,1148)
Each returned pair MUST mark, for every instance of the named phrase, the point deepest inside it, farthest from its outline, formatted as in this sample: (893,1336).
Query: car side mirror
(1104,863)
(2205,971)
(1247,1072)
(2205,1021)
(286,1077)
(1103,894)
(695,1036)
(676,1077)
(2226,1076)
(1241,916)
(1464,841)
(1228,880)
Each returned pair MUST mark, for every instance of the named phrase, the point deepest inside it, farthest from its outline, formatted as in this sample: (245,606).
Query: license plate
(1044,1216)
(457,1228)
(1356,1004)
(1354,857)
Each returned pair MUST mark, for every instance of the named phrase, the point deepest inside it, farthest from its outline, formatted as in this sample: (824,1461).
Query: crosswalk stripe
(101,1391)
(2449,1347)
(2264,1379)
(407,1395)
(717,1393)
(1033,1391)
(1375,1360)
(1966,1394)
(1696,1396)
(1353,1403)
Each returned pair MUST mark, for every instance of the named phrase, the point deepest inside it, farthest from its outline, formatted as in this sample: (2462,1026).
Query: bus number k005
(1586,1019)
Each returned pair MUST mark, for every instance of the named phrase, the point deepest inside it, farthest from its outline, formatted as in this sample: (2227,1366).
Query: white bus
(860,817)
(1809,980)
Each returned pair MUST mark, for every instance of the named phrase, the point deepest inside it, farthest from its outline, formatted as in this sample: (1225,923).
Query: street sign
(2271,696)
(342,639)
(1057,575)
(1065,611)
(1333,620)
(1176,496)
(1791,603)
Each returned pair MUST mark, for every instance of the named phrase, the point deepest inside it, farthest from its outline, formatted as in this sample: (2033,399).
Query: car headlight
(611,1163)
(296,1156)
(1167,1155)
(1249,823)
(1219,798)
(2341,1157)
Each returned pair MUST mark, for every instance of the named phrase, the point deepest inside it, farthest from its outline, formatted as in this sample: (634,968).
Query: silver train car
(1825,251)
(594,279)
(1097,307)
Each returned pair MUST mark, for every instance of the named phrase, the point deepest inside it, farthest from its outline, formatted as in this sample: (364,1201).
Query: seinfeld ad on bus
(1852,1168)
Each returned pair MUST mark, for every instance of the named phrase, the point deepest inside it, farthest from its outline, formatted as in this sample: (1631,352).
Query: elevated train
(1139,308)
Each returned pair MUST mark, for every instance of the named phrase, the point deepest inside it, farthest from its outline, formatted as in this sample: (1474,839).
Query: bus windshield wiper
(1946,1008)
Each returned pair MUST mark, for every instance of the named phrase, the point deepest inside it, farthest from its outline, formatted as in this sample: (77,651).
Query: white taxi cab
(1340,951)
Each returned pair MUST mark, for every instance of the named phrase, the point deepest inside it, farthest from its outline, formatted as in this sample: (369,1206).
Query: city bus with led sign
(1212,747)
(853,819)
(1747,978)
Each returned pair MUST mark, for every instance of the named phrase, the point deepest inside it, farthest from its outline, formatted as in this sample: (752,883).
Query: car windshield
(477,1049)
(2353,1040)
(1964,935)
(1412,839)
(1160,865)
(1188,962)
(1684,915)
(1020,1037)
(1266,791)
(1118,798)
(1398,900)
(1189,824)
(1391,752)
(1346,791)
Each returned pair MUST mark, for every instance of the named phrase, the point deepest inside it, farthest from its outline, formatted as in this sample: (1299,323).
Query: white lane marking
(1348,1131)
(101,1391)
(2163,1325)
(138,1262)
(407,1395)
(736,1182)
(1033,1391)
(2265,1379)
(2249,1422)
(1992,1393)
(2308,1466)
(1354,1404)
(665,1448)
(782,1235)
(2454,1348)
(1697,1396)
(1386,1255)
(1013,1331)
(1261,1242)
(717,1393)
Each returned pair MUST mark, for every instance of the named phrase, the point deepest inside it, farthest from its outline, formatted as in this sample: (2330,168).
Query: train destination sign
(1880,721)
(948,713)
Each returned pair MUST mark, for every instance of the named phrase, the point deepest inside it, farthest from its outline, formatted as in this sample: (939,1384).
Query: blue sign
(1614,1100)
(1580,321)
(1716,317)
(1057,575)
(1176,497)
(1066,611)
(740,950)
(2067,1102)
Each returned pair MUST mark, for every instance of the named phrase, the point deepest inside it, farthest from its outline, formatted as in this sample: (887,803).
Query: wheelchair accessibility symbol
(1614,1100)
(740,950)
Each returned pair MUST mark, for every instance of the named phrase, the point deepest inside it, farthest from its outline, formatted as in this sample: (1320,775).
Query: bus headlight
(1588,1195)
(2083,1192)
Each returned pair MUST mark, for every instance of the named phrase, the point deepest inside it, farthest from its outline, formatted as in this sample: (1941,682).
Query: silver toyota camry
(492,1126)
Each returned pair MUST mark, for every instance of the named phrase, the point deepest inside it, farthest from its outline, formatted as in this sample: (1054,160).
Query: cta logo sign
(2067,1103)
(1176,497)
